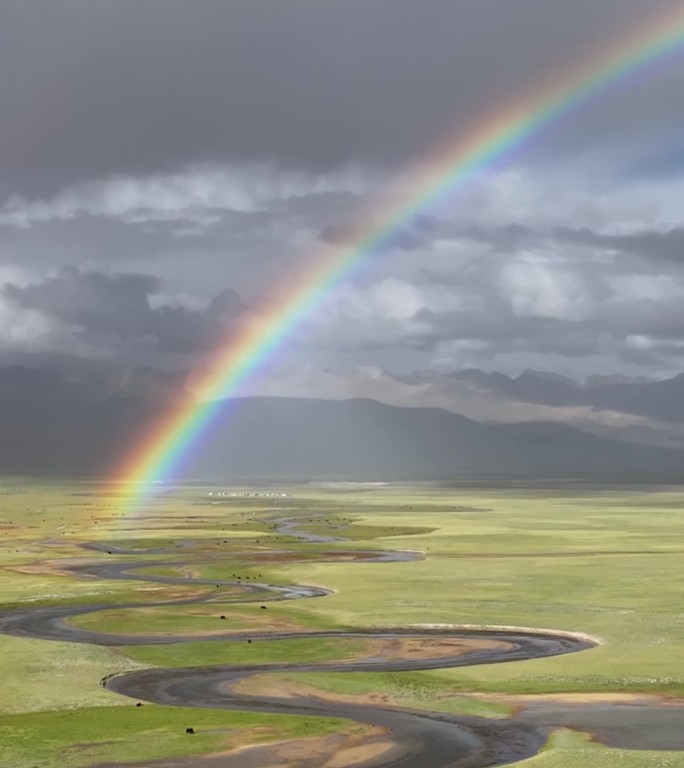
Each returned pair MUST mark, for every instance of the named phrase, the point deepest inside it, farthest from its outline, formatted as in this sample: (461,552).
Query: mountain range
(633,409)
(51,423)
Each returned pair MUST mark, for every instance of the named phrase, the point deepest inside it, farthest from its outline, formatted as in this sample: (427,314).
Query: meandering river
(421,739)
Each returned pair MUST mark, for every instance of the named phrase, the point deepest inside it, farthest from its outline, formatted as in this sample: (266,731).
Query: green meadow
(605,562)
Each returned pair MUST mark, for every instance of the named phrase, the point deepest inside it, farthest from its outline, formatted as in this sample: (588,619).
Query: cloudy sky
(166,166)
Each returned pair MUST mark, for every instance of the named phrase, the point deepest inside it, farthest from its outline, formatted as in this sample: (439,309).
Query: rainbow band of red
(161,452)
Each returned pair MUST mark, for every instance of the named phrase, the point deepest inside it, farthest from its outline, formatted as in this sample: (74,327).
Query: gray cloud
(532,304)
(94,89)
(245,139)
(118,311)
(415,235)
(666,246)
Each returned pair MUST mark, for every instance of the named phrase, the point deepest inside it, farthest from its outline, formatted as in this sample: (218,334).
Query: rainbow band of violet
(453,164)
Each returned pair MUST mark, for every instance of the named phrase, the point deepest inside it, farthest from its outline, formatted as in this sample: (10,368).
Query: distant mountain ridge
(634,409)
(364,439)
(53,424)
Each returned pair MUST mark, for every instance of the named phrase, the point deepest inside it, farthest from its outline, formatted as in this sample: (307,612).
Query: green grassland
(89,736)
(604,562)
(288,651)
(567,749)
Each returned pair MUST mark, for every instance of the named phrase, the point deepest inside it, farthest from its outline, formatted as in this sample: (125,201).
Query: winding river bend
(420,739)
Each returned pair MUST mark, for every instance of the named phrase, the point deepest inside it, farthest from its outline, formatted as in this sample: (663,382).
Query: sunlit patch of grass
(259,651)
(215,616)
(39,675)
(84,737)
(568,749)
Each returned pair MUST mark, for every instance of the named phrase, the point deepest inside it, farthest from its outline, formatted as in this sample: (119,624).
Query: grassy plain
(606,562)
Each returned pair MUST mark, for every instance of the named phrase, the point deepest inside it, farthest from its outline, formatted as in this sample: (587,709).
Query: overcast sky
(165,165)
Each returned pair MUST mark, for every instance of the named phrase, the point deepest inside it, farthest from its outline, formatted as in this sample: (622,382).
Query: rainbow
(453,164)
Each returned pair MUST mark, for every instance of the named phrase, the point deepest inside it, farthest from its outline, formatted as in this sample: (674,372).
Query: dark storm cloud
(664,246)
(115,309)
(84,237)
(92,89)
(195,140)
(405,239)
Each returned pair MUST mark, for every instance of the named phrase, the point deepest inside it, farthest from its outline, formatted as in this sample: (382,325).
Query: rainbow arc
(450,167)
